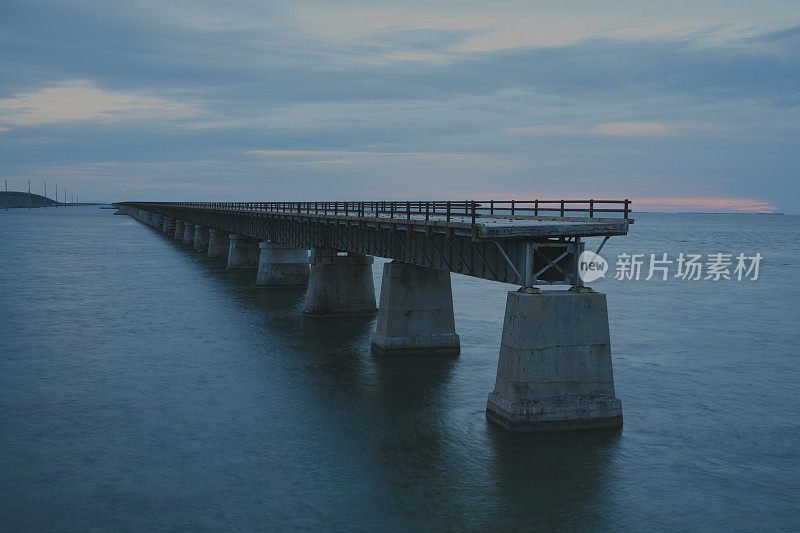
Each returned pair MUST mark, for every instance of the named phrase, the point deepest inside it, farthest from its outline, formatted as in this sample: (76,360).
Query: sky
(680,105)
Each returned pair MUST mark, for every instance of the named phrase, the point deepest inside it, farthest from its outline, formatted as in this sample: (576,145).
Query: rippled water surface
(142,387)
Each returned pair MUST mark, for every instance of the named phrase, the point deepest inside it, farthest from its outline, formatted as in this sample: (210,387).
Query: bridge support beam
(554,371)
(281,265)
(218,244)
(155,221)
(416,312)
(200,237)
(188,233)
(242,253)
(179,229)
(340,284)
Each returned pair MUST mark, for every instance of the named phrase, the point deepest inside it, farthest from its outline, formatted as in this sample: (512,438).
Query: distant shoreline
(703,213)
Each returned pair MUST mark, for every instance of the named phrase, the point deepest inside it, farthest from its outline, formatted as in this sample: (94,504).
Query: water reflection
(554,479)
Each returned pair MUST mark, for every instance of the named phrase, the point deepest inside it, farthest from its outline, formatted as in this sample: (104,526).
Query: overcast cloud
(691,106)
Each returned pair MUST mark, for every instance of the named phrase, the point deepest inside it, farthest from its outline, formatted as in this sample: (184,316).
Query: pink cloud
(743,205)
(663,204)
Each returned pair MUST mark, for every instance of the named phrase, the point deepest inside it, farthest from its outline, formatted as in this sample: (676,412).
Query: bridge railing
(464,210)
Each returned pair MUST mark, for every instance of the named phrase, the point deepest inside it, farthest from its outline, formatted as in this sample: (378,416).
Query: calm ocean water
(142,388)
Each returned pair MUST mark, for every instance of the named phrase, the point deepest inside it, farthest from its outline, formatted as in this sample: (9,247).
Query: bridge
(554,370)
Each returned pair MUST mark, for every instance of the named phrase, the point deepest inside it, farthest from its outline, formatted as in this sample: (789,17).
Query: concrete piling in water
(340,283)
(188,233)
(179,229)
(281,265)
(416,312)
(218,244)
(554,370)
(168,226)
(156,221)
(200,237)
(243,253)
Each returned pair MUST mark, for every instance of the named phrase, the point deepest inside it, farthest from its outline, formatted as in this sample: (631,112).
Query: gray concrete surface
(242,253)
(188,233)
(179,230)
(340,284)
(280,265)
(416,312)
(200,237)
(554,370)
(218,244)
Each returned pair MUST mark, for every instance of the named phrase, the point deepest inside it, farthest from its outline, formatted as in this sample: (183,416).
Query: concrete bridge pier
(281,265)
(188,233)
(243,253)
(200,237)
(554,370)
(179,230)
(168,226)
(340,283)
(218,244)
(156,221)
(416,312)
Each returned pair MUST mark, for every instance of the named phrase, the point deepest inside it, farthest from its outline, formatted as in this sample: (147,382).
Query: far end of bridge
(554,370)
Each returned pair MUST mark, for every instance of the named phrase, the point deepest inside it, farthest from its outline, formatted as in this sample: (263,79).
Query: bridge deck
(466,218)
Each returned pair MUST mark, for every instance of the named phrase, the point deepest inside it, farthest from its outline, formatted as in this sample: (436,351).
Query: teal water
(144,388)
